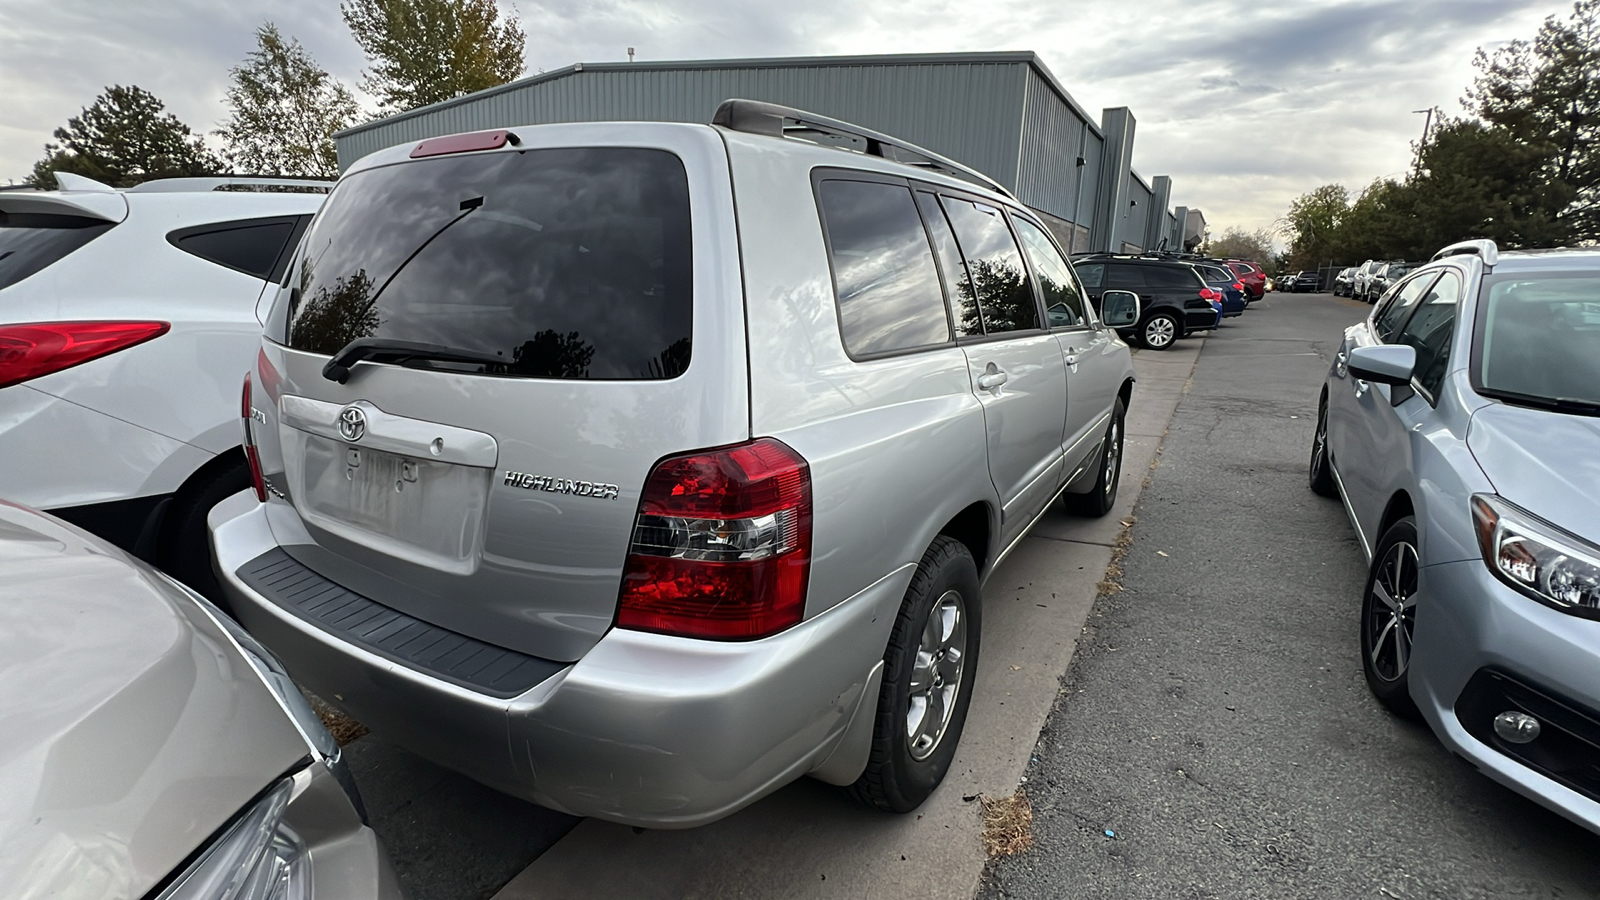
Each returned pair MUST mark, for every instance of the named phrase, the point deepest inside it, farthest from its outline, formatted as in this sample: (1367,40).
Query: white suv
(640,468)
(127,319)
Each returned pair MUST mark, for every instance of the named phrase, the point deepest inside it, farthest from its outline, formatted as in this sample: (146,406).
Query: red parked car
(1255,280)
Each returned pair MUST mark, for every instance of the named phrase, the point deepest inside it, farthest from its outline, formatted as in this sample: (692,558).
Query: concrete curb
(806,840)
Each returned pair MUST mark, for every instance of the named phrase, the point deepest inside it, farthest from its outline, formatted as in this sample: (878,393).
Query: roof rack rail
(1483,248)
(221,182)
(760,117)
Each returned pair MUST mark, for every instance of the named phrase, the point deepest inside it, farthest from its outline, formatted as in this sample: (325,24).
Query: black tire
(1099,501)
(902,771)
(1159,331)
(1321,474)
(1388,617)
(185,550)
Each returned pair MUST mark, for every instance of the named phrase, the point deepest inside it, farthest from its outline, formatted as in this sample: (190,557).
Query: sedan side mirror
(1119,309)
(1386,364)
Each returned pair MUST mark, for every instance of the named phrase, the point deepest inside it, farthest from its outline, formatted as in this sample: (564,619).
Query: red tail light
(1238,285)
(722,545)
(247,412)
(40,348)
(1209,294)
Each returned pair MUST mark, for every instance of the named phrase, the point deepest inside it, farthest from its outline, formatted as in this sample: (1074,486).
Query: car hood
(1546,462)
(131,728)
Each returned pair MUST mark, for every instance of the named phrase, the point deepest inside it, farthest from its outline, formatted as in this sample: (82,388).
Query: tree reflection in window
(553,355)
(334,316)
(997,278)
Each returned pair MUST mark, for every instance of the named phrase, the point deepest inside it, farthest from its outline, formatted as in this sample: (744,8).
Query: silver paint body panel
(131,729)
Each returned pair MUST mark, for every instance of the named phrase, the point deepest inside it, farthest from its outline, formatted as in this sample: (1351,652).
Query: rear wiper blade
(386,350)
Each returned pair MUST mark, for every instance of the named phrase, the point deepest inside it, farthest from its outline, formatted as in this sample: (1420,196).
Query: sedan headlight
(258,858)
(1540,560)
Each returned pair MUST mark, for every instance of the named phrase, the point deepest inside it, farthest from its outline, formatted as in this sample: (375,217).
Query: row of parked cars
(1179,293)
(472,447)
(1460,427)
(1372,279)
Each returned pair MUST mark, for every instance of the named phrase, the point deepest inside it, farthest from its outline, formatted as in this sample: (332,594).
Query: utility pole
(630,54)
(1427,126)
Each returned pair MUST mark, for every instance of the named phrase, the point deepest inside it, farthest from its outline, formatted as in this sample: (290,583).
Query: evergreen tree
(122,139)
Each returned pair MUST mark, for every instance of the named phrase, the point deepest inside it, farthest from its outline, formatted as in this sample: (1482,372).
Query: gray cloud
(1245,105)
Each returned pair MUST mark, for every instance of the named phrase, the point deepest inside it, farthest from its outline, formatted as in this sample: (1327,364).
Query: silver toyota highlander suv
(639,469)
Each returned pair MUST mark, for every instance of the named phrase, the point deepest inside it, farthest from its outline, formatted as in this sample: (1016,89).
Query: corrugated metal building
(1001,113)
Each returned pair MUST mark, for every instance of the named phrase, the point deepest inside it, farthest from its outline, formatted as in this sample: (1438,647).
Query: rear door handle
(1072,358)
(991,379)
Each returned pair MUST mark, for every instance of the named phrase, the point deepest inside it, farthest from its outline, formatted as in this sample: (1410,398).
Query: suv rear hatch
(571,319)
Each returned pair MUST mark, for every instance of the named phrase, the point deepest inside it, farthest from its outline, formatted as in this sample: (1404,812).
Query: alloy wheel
(936,675)
(1160,331)
(1113,456)
(1392,614)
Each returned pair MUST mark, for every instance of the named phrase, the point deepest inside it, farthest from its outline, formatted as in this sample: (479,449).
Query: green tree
(1314,220)
(284,109)
(1237,243)
(1545,95)
(425,51)
(122,139)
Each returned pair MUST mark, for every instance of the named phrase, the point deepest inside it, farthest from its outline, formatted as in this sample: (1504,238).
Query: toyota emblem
(352,423)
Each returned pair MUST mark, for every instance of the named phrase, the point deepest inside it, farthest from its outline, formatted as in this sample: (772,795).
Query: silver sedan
(150,748)
(1460,425)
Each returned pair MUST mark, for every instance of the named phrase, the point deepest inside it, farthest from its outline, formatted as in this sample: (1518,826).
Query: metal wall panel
(970,112)
(1053,139)
(1135,213)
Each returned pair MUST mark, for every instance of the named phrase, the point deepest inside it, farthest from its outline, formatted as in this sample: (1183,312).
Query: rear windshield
(567,263)
(31,241)
(1538,337)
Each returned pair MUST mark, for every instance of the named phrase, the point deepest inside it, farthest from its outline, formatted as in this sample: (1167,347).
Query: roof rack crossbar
(774,120)
(1483,248)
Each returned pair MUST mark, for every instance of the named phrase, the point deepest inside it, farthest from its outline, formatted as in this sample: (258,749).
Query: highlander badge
(594,489)
(352,423)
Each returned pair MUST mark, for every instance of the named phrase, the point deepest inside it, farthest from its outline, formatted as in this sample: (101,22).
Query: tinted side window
(1092,274)
(968,320)
(567,263)
(997,277)
(887,287)
(1173,278)
(1431,331)
(251,246)
(1389,319)
(1063,302)
(1125,277)
(31,241)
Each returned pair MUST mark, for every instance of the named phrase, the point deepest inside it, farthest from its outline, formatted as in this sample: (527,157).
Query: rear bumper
(1473,630)
(645,729)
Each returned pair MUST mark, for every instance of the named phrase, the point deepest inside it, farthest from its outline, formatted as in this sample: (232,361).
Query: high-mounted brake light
(465,143)
(722,545)
(41,348)
(251,455)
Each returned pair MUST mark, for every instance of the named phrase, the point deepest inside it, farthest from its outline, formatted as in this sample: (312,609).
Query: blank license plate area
(383,499)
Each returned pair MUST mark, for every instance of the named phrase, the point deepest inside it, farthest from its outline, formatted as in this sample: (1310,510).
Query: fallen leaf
(1161,553)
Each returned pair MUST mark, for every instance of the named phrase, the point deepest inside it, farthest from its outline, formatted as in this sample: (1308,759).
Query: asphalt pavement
(1213,736)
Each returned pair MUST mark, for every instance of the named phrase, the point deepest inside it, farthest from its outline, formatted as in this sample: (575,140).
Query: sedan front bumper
(645,729)
(1479,642)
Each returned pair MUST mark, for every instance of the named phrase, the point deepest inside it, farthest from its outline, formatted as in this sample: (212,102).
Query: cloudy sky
(1247,104)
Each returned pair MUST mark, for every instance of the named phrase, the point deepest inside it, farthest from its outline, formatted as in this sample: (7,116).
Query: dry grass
(344,728)
(1111,582)
(1007,824)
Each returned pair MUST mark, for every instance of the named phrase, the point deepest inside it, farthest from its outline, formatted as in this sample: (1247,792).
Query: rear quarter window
(257,247)
(1172,278)
(30,242)
(887,286)
(568,263)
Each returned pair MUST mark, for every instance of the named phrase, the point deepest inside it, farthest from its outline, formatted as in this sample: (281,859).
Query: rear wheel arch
(178,552)
(974,527)
(1125,394)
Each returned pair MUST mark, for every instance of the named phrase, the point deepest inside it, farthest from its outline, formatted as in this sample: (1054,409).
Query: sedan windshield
(1538,339)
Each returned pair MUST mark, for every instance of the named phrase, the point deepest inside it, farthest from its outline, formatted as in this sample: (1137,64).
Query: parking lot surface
(1214,737)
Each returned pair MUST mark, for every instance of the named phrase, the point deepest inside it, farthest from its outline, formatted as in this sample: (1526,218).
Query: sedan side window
(1063,302)
(998,280)
(1431,330)
(887,287)
(1387,321)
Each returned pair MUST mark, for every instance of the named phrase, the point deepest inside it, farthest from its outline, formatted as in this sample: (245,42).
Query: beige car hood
(131,729)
